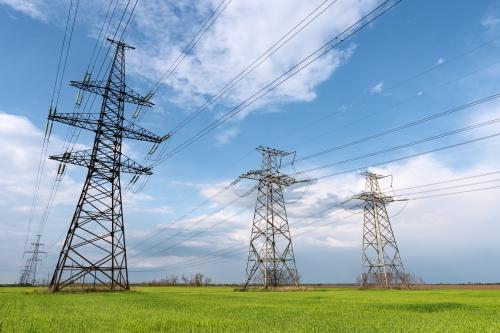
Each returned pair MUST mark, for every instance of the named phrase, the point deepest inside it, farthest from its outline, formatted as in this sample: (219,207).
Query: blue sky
(366,86)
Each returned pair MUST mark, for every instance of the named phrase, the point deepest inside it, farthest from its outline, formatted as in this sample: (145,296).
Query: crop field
(217,309)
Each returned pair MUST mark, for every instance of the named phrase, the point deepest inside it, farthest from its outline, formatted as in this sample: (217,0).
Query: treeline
(197,280)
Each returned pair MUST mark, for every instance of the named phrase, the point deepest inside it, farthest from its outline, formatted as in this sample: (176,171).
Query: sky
(419,59)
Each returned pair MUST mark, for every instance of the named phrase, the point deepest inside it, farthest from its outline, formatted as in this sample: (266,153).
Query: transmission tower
(271,261)
(381,261)
(28,274)
(94,251)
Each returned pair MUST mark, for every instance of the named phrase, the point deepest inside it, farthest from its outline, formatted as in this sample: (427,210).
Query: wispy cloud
(244,31)
(378,88)
(490,21)
(226,135)
(32,8)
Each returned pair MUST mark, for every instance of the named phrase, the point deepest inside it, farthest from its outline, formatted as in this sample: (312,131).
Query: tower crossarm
(273,151)
(268,177)
(83,158)
(252,174)
(374,197)
(100,87)
(133,131)
(90,121)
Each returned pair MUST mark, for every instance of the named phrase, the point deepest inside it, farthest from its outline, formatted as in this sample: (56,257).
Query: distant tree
(208,281)
(173,280)
(197,279)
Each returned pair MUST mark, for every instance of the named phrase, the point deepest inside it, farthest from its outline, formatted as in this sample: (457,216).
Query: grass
(215,309)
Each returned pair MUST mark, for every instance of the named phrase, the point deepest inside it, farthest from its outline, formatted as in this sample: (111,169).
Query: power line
(161,242)
(65,46)
(402,82)
(155,233)
(304,63)
(447,61)
(405,81)
(455,193)
(222,251)
(282,41)
(406,145)
(233,250)
(192,43)
(184,216)
(447,188)
(450,180)
(317,214)
(456,109)
(403,102)
(187,50)
(469,51)
(67,53)
(410,156)
(128,20)
(198,233)
(250,68)
(303,28)
(98,39)
(401,127)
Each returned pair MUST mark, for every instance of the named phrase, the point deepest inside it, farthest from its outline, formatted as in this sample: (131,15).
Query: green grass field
(214,309)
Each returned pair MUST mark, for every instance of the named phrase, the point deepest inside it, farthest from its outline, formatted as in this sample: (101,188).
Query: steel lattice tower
(381,261)
(271,251)
(94,251)
(28,274)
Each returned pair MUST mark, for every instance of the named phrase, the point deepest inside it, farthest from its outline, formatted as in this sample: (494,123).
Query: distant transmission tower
(271,261)
(28,274)
(94,251)
(381,261)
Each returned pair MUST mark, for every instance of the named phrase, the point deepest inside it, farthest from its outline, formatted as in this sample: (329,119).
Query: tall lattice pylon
(28,274)
(381,261)
(94,252)
(271,261)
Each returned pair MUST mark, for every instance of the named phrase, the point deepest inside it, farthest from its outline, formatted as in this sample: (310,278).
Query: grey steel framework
(94,251)
(271,261)
(28,274)
(381,261)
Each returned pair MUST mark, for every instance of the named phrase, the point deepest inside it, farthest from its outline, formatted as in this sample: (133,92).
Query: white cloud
(333,242)
(20,154)
(490,21)
(141,207)
(226,135)
(378,88)
(160,30)
(32,8)
(240,35)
